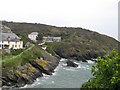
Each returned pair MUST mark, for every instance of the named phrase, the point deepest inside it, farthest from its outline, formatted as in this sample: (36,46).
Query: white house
(51,39)
(10,40)
(33,36)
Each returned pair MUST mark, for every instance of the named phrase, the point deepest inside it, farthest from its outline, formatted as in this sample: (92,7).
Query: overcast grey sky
(96,15)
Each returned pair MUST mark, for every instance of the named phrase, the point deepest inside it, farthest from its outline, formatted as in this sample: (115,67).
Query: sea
(65,77)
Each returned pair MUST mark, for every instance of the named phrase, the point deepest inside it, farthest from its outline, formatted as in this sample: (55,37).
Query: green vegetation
(106,72)
(50,47)
(50,50)
(24,57)
(76,42)
(12,53)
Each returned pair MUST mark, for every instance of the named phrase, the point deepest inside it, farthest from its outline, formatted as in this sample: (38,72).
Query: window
(15,45)
(12,46)
(20,42)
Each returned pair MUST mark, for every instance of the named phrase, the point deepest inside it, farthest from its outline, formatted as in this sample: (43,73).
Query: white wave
(77,62)
(46,76)
(64,64)
(24,86)
(79,66)
(70,69)
(37,79)
(63,59)
(36,82)
(90,62)
(95,59)
(57,68)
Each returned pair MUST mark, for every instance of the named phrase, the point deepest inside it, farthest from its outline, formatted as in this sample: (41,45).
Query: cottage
(33,36)
(51,39)
(10,40)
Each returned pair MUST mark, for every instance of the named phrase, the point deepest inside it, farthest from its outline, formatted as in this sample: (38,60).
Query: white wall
(12,44)
(32,37)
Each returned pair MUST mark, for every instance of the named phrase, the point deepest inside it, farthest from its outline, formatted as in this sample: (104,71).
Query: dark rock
(20,82)
(71,64)
(84,60)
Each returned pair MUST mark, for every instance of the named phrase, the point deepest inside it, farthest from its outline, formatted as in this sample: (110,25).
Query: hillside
(5,29)
(77,43)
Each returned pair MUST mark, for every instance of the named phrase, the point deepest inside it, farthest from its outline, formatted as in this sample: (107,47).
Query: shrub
(106,72)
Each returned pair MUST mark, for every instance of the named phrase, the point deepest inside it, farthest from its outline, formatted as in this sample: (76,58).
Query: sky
(96,15)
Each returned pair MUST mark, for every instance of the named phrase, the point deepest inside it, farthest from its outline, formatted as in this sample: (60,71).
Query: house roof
(57,37)
(9,36)
(34,33)
(52,37)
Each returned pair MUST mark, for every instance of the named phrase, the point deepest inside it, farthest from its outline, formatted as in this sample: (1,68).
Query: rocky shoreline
(28,73)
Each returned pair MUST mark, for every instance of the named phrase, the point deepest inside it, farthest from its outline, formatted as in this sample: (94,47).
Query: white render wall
(33,37)
(12,44)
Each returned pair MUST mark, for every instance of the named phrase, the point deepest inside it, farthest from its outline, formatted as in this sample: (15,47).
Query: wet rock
(71,64)
(84,60)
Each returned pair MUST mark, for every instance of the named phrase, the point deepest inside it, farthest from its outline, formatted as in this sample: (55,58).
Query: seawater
(65,77)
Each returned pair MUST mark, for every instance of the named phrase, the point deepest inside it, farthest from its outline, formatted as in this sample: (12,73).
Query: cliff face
(28,73)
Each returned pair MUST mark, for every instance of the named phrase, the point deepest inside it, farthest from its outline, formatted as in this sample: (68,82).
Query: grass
(19,60)
(50,50)
(51,46)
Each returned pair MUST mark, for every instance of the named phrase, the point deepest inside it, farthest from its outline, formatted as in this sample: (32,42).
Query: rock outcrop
(71,64)
(28,73)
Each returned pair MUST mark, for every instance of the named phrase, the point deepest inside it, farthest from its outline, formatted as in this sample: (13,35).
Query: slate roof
(9,36)
(52,37)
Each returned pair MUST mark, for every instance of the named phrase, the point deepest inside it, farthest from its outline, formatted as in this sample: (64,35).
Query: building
(33,36)
(10,41)
(51,39)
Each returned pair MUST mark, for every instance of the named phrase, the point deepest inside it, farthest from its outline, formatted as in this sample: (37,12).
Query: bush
(106,72)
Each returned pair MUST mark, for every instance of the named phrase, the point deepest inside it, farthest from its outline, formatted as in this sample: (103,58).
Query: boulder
(71,64)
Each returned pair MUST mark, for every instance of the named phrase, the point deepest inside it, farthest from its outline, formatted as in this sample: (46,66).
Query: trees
(106,72)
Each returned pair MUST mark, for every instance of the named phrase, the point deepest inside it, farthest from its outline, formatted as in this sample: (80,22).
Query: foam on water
(53,82)
(60,77)
(90,62)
